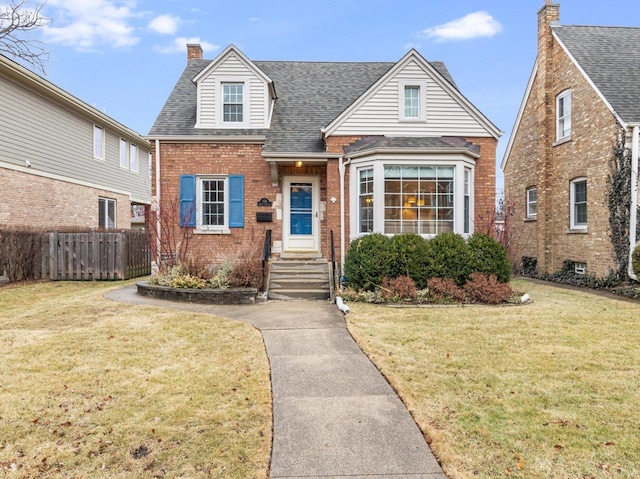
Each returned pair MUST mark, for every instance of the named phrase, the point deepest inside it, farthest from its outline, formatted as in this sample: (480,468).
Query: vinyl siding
(232,69)
(57,141)
(380,114)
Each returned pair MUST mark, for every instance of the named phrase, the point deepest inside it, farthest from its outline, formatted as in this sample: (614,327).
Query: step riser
(290,295)
(324,285)
(299,279)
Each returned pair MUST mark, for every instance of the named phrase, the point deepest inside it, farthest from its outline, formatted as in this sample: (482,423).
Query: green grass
(94,388)
(545,390)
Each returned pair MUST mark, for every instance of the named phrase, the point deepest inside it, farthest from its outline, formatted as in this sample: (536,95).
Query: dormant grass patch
(94,388)
(546,390)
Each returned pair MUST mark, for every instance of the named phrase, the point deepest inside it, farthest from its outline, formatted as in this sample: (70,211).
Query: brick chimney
(548,15)
(194,51)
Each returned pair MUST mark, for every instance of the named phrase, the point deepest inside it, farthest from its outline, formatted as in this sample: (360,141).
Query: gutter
(341,169)
(635,137)
(158,225)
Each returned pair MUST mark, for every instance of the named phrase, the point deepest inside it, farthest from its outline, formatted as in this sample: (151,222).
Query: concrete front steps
(299,279)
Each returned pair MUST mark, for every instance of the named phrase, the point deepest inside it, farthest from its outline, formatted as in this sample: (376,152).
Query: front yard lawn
(93,388)
(544,390)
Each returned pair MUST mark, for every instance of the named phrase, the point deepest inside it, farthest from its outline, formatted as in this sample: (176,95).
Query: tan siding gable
(380,114)
(231,69)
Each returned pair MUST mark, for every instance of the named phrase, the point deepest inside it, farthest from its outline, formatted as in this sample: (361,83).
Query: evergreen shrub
(367,261)
(408,256)
(448,257)
(489,257)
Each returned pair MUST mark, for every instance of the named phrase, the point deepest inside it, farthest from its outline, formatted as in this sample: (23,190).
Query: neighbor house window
(532,203)
(232,102)
(133,157)
(106,213)
(418,199)
(365,196)
(467,201)
(579,204)
(124,159)
(580,268)
(98,142)
(563,115)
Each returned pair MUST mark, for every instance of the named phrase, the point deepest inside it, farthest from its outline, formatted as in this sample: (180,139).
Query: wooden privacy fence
(96,256)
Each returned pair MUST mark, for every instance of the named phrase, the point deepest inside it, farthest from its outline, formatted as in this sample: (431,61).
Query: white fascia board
(412,151)
(300,156)
(222,56)
(586,77)
(27,79)
(516,125)
(435,75)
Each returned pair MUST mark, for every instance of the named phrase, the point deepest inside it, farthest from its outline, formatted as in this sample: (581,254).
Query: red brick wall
(40,202)
(178,159)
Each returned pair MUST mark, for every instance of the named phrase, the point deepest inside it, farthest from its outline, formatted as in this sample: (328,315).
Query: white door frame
(301,243)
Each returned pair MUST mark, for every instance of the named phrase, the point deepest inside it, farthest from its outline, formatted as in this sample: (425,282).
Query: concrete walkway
(334,415)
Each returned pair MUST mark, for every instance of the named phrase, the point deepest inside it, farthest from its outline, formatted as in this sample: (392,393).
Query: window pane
(111,214)
(212,202)
(133,157)
(411,101)
(123,154)
(233,99)
(98,141)
(366,201)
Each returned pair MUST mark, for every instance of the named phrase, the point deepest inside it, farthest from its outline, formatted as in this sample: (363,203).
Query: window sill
(531,219)
(413,120)
(575,231)
(212,232)
(561,141)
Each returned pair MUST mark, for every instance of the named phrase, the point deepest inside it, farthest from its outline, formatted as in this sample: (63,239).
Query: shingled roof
(309,96)
(610,56)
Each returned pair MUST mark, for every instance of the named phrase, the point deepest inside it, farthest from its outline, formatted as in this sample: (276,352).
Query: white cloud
(86,24)
(473,25)
(179,45)
(164,24)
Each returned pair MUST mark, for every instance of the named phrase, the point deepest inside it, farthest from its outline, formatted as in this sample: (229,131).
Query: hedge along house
(581,102)
(312,150)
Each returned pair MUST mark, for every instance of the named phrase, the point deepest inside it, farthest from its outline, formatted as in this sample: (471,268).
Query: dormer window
(412,103)
(233,102)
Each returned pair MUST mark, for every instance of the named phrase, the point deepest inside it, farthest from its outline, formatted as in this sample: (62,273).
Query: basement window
(580,268)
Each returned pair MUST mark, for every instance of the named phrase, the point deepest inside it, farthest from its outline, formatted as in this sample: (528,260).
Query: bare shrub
(486,289)
(445,290)
(21,253)
(246,274)
(398,289)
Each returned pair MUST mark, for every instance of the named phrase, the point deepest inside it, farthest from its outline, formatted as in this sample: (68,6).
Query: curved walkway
(334,415)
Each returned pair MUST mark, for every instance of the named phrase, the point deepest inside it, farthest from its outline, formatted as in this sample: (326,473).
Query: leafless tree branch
(18,19)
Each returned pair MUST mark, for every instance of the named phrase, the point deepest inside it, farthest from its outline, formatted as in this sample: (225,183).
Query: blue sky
(124,56)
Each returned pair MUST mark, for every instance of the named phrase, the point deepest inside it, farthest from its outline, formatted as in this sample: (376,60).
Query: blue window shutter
(187,201)
(236,201)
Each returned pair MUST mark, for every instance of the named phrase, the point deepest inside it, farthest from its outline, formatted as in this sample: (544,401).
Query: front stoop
(299,279)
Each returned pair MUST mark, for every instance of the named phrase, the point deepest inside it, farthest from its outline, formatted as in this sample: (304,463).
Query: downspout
(634,199)
(341,169)
(158,225)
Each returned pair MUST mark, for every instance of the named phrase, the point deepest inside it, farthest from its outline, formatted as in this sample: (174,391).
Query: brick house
(583,97)
(311,149)
(63,163)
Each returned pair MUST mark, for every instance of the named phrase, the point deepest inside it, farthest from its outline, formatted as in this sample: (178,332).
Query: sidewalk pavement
(334,415)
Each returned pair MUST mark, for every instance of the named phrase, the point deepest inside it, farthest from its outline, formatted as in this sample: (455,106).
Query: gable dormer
(233,93)
(412,99)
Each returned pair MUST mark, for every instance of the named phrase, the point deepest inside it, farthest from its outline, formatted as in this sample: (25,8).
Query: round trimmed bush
(448,257)
(367,261)
(408,254)
(489,257)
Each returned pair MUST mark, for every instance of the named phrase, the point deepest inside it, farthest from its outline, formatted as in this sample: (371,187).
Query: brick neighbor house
(582,99)
(63,163)
(311,150)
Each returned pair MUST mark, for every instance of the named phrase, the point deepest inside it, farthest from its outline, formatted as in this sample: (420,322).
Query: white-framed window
(532,202)
(212,203)
(412,100)
(106,213)
(466,228)
(365,200)
(98,142)
(150,164)
(233,102)
(580,268)
(563,115)
(124,157)
(578,215)
(133,157)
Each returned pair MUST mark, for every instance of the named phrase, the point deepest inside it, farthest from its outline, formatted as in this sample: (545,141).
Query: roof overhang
(245,139)
(412,151)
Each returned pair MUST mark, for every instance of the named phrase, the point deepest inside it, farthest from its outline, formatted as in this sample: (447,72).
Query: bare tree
(18,19)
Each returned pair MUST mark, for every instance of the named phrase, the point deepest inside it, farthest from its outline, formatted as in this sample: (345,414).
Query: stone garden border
(205,296)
